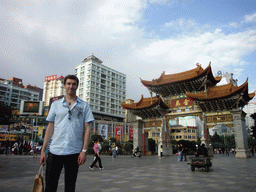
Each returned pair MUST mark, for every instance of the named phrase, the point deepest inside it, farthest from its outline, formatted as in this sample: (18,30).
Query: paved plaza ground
(147,173)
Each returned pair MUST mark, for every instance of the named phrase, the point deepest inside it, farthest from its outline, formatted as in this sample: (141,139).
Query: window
(103,76)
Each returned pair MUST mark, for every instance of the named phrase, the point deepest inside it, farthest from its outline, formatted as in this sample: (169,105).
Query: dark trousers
(54,165)
(95,161)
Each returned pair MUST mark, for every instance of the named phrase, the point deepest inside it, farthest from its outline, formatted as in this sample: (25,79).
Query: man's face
(71,87)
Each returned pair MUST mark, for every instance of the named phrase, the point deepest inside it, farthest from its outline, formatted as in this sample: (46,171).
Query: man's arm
(47,138)
(82,156)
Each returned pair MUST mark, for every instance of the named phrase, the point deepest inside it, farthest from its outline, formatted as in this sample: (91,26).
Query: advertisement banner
(3,127)
(103,131)
(40,131)
(130,133)
(119,133)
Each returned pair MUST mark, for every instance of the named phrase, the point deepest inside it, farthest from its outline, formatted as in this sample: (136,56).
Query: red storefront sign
(130,133)
(49,78)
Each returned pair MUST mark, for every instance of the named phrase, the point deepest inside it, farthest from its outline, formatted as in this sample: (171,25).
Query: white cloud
(234,24)
(182,53)
(250,18)
(64,32)
(181,24)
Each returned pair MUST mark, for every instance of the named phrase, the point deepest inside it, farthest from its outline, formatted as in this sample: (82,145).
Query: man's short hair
(71,77)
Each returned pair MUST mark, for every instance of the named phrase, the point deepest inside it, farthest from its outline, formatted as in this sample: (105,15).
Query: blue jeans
(180,156)
(184,155)
(114,154)
(54,165)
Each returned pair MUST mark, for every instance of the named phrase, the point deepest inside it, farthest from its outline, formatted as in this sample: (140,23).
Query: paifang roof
(222,92)
(147,108)
(145,103)
(182,77)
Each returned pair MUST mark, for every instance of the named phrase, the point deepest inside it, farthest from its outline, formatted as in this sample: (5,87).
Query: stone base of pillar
(167,151)
(241,153)
(210,151)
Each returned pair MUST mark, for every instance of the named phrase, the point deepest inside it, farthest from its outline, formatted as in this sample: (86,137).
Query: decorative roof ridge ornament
(161,77)
(140,101)
(199,68)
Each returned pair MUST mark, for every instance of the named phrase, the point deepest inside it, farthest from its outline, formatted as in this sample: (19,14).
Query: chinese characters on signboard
(181,103)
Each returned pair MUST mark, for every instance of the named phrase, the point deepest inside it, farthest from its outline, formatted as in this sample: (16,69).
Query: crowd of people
(20,148)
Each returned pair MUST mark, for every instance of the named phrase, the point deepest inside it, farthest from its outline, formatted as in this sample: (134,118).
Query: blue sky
(141,38)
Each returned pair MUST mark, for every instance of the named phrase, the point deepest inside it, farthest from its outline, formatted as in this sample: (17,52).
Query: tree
(128,146)
(253,116)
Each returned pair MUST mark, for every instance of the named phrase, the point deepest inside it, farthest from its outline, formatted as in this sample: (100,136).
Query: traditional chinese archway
(194,92)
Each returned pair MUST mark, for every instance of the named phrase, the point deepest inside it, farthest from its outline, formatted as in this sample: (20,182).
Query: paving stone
(138,174)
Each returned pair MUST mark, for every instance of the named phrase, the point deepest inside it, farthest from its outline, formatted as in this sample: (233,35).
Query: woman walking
(96,149)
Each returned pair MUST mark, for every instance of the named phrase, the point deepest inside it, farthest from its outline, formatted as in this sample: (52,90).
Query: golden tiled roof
(223,91)
(183,76)
(145,103)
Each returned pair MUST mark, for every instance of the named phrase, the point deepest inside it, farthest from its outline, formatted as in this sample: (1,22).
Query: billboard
(31,107)
(119,133)
(103,131)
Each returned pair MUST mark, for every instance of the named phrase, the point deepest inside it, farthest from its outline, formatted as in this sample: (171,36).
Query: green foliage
(190,146)
(112,139)
(128,147)
(151,145)
(96,137)
(227,142)
(251,142)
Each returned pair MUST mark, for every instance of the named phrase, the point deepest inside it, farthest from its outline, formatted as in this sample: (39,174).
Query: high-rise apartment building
(129,117)
(102,87)
(12,91)
(53,87)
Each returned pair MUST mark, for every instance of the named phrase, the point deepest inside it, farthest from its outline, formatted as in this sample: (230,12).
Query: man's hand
(81,158)
(43,158)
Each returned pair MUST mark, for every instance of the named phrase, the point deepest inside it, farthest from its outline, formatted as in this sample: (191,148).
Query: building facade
(12,91)
(103,88)
(129,117)
(249,109)
(53,87)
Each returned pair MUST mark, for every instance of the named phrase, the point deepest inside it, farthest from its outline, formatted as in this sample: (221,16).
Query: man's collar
(77,99)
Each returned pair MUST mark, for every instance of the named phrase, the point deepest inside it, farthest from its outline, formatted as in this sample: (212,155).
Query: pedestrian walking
(184,153)
(114,150)
(97,158)
(161,152)
(69,131)
(180,148)
(35,150)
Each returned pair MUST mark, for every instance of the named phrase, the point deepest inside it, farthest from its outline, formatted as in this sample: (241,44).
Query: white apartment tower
(53,87)
(102,87)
